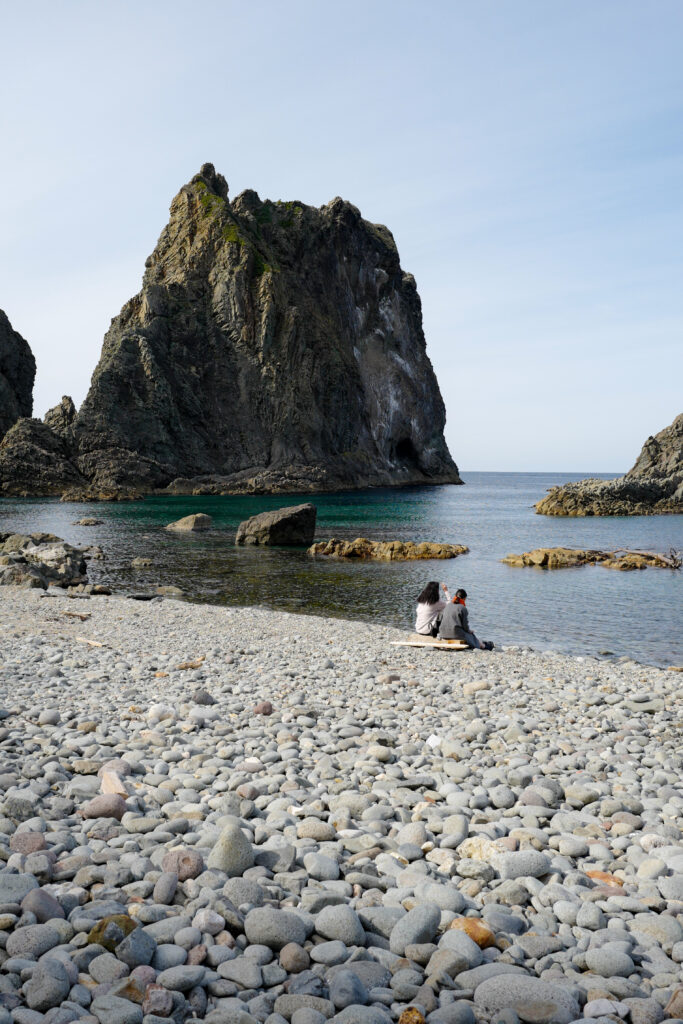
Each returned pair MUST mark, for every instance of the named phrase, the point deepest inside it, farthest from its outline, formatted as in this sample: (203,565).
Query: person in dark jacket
(455,624)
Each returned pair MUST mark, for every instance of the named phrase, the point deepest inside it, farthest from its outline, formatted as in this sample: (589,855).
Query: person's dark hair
(462,594)
(430,594)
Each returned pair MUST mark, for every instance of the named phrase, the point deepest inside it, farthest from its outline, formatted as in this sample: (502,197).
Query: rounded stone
(49,985)
(307,1015)
(105,805)
(183,862)
(243,890)
(533,999)
(165,887)
(609,961)
(346,989)
(27,842)
(419,925)
(523,863)
(183,978)
(314,828)
(294,958)
(321,867)
(340,922)
(232,852)
(452,1013)
(274,928)
(32,941)
(43,905)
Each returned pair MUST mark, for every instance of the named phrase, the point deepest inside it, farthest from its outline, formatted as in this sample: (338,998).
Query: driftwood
(78,615)
(92,643)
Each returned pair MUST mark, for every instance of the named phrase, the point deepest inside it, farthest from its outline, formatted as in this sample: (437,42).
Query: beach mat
(424,641)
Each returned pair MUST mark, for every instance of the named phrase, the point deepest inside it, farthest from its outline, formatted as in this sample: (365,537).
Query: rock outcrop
(36,460)
(294,525)
(570,558)
(39,560)
(17,374)
(273,347)
(60,419)
(386,551)
(653,486)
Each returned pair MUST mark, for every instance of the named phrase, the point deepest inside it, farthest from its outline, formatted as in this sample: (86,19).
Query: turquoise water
(580,611)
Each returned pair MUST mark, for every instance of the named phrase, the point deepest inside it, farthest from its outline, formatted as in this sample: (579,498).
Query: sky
(527,156)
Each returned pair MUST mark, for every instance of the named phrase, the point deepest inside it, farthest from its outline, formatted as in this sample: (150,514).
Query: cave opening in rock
(405,451)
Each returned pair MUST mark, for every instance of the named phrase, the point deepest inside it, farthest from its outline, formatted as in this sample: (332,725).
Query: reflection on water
(580,611)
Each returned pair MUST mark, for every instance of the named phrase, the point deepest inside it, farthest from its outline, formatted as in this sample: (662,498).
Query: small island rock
(294,525)
(569,558)
(386,551)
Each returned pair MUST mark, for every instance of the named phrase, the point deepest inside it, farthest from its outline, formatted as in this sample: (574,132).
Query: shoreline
(400,633)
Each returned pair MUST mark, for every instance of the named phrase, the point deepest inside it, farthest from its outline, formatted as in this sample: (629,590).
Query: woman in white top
(429,608)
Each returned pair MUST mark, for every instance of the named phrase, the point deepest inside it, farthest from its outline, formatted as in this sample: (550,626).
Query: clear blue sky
(527,156)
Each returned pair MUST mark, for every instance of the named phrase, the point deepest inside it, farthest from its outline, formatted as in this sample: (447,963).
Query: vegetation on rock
(272,347)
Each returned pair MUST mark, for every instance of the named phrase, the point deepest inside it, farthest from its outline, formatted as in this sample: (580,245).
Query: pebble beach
(240,816)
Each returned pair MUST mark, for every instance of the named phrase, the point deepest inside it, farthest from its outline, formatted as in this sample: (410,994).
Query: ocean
(586,611)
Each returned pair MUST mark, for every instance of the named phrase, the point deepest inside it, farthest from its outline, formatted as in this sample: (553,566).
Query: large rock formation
(273,347)
(17,374)
(654,484)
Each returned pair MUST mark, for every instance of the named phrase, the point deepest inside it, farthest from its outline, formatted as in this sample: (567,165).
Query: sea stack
(273,347)
(652,486)
(17,374)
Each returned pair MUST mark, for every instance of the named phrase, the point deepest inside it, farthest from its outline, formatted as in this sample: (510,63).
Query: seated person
(429,608)
(455,624)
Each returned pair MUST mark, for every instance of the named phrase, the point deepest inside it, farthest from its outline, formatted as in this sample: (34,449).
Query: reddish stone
(144,975)
(263,708)
(183,862)
(27,842)
(106,805)
(197,955)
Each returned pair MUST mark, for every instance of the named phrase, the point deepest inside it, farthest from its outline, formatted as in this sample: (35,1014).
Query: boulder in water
(294,525)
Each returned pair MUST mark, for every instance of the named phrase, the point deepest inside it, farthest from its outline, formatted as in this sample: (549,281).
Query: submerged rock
(192,524)
(653,485)
(294,525)
(387,551)
(570,558)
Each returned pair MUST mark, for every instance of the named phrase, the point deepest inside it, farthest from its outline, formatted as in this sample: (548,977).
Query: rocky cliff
(17,374)
(654,484)
(273,346)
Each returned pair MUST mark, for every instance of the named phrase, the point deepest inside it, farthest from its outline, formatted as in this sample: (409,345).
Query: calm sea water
(580,611)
